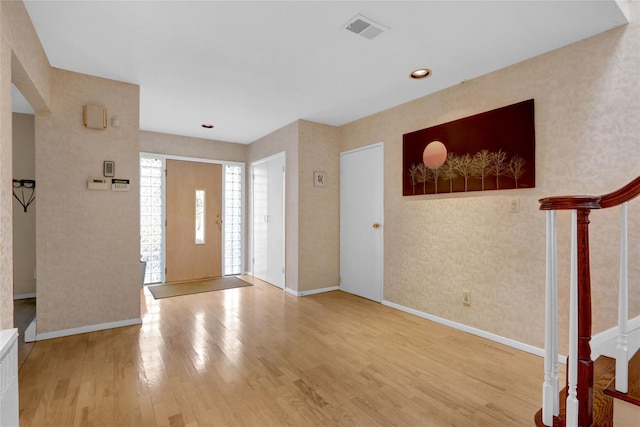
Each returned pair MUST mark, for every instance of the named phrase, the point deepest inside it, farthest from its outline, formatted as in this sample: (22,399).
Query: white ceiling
(250,68)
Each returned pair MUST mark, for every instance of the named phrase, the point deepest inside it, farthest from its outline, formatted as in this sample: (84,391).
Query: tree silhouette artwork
(424,176)
(413,173)
(449,171)
(482,165)
(464,166)
(515,168)
(499,167)
(494,150)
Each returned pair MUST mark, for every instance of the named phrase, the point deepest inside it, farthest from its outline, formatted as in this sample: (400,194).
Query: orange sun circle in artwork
(434,155)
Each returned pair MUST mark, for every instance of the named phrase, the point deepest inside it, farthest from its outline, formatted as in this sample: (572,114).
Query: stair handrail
(622,195)
(580,366)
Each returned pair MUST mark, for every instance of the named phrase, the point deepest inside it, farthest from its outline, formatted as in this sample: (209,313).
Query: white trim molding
(24,296)
(471,330)
(604,343)
(312,291)
(88,328)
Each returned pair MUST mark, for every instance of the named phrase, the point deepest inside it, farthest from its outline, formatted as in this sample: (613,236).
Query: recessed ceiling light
(207,126)
(420,73)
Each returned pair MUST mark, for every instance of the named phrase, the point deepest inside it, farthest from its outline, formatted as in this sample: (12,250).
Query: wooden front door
(194,220)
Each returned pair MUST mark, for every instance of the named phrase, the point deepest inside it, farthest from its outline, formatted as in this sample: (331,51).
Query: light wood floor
(255,356)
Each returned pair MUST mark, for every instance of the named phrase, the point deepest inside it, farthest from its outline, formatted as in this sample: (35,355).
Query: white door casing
(269,220)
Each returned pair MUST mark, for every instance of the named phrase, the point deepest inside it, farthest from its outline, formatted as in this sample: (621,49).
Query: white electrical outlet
(466,298)
(514,205)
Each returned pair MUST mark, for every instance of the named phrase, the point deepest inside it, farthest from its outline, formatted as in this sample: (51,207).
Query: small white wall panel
(9,378)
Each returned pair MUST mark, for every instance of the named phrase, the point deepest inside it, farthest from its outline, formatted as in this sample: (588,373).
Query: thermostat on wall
(120,184)
(97,184)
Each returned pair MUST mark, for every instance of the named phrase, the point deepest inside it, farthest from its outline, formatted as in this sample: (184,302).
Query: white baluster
(622,350)
(550,396)
(572,360)
(554,312)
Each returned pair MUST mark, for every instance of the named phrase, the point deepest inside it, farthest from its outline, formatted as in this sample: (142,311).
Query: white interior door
(269,220)
(361,221)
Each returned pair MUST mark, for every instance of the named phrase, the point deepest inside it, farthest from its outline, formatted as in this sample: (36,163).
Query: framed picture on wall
(109,168)
(319,179)
(493,150)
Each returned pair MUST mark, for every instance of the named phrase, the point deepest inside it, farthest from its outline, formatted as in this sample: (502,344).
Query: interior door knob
(376,225)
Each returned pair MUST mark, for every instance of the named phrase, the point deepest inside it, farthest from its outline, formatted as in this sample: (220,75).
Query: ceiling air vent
(365,27)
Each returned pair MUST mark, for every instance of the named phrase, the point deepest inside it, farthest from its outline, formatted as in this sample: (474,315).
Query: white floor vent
(9,378)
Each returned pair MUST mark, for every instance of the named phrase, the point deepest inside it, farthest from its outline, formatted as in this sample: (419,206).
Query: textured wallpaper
(24,223)
(22,60)
(88,242)
(6,198)
(176,145)
(319,210)
(284,139)
(312,214)
(587,104)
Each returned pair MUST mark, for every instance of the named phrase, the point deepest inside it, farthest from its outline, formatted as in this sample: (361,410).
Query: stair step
(603,373)
(633,395)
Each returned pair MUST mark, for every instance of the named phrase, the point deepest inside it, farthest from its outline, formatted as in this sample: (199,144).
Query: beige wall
(284,139)
(312,248)
(587,104)
(22,60)
(24,223)
(175,145)
(587,109)
(319,207)
(88,247)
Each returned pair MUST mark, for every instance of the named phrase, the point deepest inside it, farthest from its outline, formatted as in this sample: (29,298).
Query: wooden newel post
(585,365)
(582,206)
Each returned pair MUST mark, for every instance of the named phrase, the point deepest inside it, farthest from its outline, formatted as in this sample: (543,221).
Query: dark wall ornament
(494,150)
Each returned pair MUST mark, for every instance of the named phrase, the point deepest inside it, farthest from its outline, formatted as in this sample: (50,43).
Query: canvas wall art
(494,150)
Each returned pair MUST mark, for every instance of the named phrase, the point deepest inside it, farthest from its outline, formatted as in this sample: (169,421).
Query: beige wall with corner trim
(88,242)
(312,241)
(319,207)
(587,104)
(284,139)
(88,270)
(22,60)
(24,223)
(175,145)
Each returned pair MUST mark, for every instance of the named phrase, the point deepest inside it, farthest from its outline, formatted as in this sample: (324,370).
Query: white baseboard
(312,291)
(291,292)
(88,328)
(474,331)
(24,296)
(605,343)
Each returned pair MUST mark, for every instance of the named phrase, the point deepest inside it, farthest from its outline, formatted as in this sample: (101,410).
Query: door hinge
(282,270)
